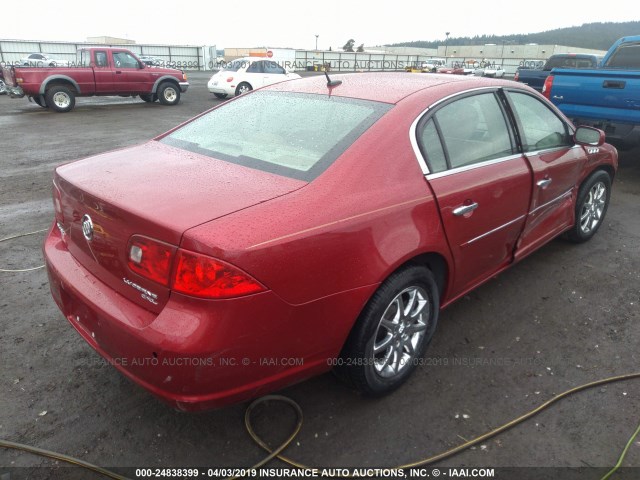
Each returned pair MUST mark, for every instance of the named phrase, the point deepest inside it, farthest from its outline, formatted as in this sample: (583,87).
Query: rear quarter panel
(35,79)
(371,211)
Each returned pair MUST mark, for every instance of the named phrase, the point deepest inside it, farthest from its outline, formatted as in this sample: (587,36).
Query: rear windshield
(235,65)
(571,62)
(297,135)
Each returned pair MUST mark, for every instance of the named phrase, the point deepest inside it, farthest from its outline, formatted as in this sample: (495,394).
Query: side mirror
(141,65)
(589,136)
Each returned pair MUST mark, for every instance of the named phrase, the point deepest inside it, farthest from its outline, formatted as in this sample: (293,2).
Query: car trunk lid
(152,190)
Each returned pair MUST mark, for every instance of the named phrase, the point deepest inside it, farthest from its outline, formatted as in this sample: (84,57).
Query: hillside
(598,36)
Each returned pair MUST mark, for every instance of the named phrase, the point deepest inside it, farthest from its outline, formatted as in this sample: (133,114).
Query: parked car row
(535,77)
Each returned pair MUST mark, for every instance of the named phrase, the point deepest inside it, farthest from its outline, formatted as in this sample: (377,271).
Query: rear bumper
(201,354)
(221,89)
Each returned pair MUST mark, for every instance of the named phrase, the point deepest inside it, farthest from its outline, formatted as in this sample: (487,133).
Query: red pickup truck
(96,71)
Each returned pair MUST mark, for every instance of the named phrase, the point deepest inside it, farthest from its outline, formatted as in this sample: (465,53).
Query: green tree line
(598,36)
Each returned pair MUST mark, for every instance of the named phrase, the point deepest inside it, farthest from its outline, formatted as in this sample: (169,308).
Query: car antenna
(332,83)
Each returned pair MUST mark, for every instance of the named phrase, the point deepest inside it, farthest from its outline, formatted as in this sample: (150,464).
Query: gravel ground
(567,315)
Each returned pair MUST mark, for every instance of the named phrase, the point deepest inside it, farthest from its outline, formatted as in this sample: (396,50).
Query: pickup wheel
(149,97)
(591,206)
(168,93)
(60,98)
(3,87)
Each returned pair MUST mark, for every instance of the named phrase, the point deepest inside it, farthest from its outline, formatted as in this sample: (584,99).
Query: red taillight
(229,79)
(546,88)
(150,258)
(57,204)
(202,276)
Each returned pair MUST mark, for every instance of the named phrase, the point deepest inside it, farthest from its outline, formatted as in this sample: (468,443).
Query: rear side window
(540,128)
(101,59)
(235,65)
(472,129)
(433,148)
(255,67)
(292,134)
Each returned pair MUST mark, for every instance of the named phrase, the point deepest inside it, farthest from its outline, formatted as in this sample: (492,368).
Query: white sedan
(43,60)
(494,71)
(245,74)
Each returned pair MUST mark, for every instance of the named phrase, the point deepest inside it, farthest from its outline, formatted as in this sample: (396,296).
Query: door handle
(544,183)
(458,212)
(118,72)
(614,84)
(558,97)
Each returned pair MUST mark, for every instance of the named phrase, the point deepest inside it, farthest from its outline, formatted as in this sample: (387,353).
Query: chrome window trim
(494,230)
(414,142)
(473,166)
(413,138)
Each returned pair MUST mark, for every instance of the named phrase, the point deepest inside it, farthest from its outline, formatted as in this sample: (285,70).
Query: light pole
(446,44)
(317,41)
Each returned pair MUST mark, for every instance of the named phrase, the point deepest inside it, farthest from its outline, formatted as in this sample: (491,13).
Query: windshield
(292,134)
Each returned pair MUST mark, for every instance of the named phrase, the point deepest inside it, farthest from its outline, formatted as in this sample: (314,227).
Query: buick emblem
(87,227)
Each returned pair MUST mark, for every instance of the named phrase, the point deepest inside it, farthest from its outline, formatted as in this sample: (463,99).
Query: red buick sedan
(307,226)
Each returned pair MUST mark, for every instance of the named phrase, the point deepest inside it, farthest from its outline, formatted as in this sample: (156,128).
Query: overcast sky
(288,23)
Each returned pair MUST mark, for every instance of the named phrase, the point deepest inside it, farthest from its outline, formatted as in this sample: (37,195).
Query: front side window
(125,60)
(473,129)
(292,134)
(540,128)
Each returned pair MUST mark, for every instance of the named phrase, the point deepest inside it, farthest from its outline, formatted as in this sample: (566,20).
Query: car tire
(220,95)
(392,332)
(591,206)
(60,98)
(244,87)
(3,87)
(149,97)
(169,93)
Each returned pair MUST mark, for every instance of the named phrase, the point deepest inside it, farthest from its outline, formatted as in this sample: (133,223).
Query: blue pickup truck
(607,98)
(535,77)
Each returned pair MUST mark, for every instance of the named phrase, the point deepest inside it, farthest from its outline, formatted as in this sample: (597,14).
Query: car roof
(388,87)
